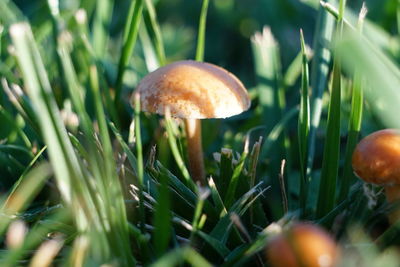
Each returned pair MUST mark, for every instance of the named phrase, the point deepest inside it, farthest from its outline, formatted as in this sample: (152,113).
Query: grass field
(87,179)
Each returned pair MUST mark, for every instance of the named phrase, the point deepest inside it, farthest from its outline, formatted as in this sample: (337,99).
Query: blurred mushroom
(193,90)
(302,245)
(376,159)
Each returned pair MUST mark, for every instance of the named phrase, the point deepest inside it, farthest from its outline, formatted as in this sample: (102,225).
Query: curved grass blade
(28,186)
(175,152)
(24,174)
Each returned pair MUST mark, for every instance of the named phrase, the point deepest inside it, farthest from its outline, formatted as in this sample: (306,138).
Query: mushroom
(303,245)
(192,91)
(376,159)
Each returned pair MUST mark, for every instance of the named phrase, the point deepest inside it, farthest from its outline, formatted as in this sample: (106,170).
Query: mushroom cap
(376,159)
(303,245)
(192,89)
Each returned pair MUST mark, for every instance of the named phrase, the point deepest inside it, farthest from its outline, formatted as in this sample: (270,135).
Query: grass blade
(24,192)
(129,41)
(154,29)
(202,194)
(303,124)
(101,24)
(202,32)
(381,74)
(330,161)
(354,124)
(22,177)
(162,218)
(266,56)
(36,82)
(175,152)
(319,76)
(139,157)
(115,204)
(234,181)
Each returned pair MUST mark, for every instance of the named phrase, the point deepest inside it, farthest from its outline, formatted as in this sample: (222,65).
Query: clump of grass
(90,187)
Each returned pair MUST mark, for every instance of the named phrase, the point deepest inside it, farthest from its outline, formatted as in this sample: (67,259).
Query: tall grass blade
(39,90)
(381,74)
(101,24)
(319,75)
(76,91)
(202,32)
(175,152)
(294,70)
(129,41)
(330,161)
(202,194)
(150,54)
(9,13)
(230,193)
(155,31)
(162,218)
(266,56)
(114,200)
(303,124)
(139,155)
(355,121)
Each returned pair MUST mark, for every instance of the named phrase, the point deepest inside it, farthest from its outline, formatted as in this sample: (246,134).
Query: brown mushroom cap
(303,245)
(192,89)
(376,158)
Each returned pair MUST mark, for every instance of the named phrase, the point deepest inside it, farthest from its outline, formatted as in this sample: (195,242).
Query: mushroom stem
(393,195)
(195,150)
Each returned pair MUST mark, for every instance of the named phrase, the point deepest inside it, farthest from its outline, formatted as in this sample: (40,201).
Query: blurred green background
(231,24)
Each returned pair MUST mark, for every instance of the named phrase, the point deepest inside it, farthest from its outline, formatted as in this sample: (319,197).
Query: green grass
(109,184)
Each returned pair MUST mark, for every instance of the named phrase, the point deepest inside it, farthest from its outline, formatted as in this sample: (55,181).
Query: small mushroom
(376,159)
(303,245)
(192,91)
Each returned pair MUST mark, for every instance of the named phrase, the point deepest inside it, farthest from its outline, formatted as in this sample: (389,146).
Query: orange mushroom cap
(194,90)
(303,245)
(376,159)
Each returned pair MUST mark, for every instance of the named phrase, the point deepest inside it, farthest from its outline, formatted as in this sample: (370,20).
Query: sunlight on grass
(91,180)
